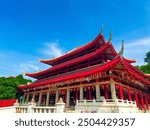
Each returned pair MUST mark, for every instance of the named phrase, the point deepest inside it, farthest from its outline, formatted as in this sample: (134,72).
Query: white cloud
(15,63)
(137,49)
(27,67)
(52,49)
(140,42)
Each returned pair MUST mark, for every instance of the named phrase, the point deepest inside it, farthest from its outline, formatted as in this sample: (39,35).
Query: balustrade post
(60,106)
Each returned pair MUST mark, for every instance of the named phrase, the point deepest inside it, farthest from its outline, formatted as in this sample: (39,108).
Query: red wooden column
(121,93)
(106,92)
(146,101)
(65,98)
(141,97)
(76,94)
(87,95)
(90,93)
(129,95)
(136,99)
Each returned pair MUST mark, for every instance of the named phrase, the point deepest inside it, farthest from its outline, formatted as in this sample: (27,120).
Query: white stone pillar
(81,92)
(97,91)
(68,98)
(47,98)
(56,96)
(40,97)
(33,96)
(113,90)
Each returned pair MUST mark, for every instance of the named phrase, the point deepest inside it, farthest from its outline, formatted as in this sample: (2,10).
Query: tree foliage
(8,86)
(144,68)
(147,59)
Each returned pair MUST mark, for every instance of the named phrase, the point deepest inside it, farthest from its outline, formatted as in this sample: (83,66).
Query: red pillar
(76,94)
(87,95)
(136,99)
(147,105)
(90,93)
(121,93)
(106,92)
(129,95)
(141,97)
(65,97)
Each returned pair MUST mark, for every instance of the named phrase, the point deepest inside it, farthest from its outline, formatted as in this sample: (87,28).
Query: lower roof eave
(102,68)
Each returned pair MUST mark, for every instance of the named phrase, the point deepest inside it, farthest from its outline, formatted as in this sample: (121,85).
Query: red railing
(7,103)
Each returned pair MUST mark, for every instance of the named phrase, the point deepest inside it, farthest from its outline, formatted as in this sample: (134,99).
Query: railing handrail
(37,107)
(118,101)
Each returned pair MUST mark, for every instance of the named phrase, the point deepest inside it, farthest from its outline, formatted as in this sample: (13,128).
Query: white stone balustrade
(106,105)
(32,108)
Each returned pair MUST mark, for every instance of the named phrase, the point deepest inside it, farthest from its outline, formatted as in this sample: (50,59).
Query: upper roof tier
(72,54)
(97,49)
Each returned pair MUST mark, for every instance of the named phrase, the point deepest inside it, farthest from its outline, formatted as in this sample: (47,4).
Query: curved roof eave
(50,61)
(104,67)
(36,74)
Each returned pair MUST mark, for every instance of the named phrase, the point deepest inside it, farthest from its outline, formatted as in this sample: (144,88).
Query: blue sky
(32,29)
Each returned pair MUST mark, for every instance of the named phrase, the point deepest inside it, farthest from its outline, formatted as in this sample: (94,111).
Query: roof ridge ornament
(110,37)
(122,49)
(101,29)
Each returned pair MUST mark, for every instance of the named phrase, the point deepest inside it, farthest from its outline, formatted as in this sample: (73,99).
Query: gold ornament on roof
(110,37)
(122,49)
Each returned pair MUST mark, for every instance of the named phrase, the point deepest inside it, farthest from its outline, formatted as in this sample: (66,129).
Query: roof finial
(122,49)
(101,29)
(110,37)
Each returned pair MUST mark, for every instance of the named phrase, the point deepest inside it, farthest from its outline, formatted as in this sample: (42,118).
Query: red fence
(7,103)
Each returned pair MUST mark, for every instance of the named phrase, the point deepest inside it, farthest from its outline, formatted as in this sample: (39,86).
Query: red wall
(7,103)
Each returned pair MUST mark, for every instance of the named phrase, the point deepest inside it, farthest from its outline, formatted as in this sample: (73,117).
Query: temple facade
(89,72)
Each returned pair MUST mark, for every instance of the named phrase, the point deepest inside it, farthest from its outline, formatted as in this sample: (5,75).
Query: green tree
(8,86)
(147,59)
(144,68)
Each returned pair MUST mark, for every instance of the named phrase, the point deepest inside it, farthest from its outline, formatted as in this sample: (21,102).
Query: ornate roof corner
(122,49)
(101,31)
(110,37)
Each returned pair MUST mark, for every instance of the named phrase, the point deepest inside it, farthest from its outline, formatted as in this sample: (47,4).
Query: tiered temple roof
(94,59)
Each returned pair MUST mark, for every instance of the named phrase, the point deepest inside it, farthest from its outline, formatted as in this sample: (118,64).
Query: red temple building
(89,72)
